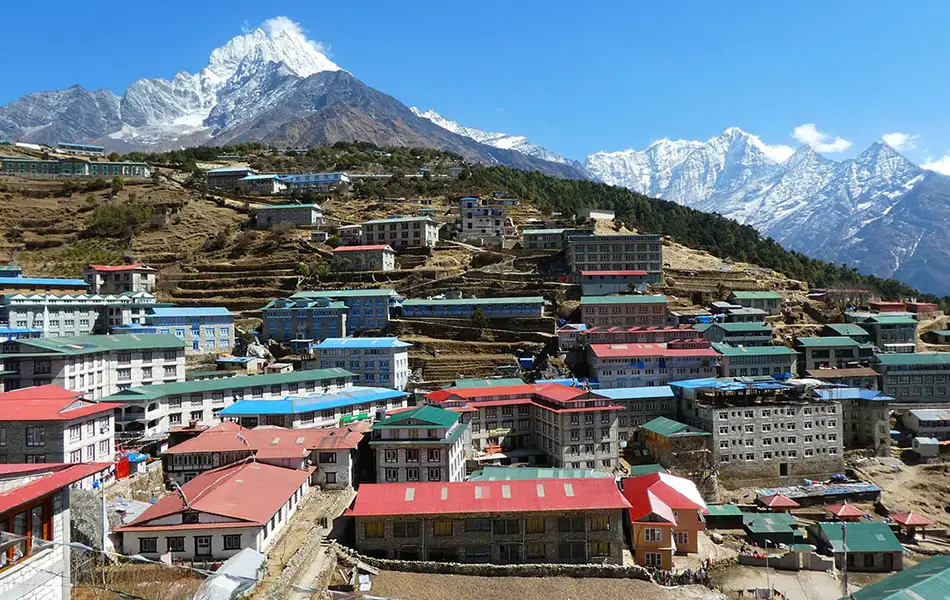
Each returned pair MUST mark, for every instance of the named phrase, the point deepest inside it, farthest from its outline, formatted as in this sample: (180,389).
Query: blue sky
(574,77)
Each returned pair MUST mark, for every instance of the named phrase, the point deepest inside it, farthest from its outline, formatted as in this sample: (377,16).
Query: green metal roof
(924,581)
(428,415)
(638,470)
(847,329)
(891,320)
(757,295)
(940,331)
(159,390)
(723,510)
(728,350)
(769,522)
(914,358)
(482,383)
(275,206)
(740,327)
(828,341)
(475,301)
(862,537)
(595,300)
(528,473)
(669,427)
(85,344)
(344,293)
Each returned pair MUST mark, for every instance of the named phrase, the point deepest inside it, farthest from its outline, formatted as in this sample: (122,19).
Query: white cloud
(900,141)
(777,153)
(940,165)
(285,25)
(819,140)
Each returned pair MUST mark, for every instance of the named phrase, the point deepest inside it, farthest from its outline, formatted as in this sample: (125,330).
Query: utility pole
(844,570)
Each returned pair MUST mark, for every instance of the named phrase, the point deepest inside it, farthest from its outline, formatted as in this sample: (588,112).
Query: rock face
(272,84)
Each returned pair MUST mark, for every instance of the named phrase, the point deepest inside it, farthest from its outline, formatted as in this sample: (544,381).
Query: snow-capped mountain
(517,143)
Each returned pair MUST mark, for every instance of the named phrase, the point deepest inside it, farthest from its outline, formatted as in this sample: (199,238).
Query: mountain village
(268,333)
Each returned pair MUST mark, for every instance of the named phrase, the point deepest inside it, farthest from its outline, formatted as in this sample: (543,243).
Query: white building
(245,505)
(261,185)
(426,443)
(118,279)
(596,214)
(374,361)
(35,504)
(401,232)
(61,315)
(96,365)
(480,222)
(377,257)
(299,215)
(932,423)
(153,409)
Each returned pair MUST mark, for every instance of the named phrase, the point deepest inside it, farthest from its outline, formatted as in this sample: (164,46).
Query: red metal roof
(911,518)
(231,437)
(474,497)
(661,494)
(109,268)
(246,492)
(845,510)
(59,476)
(622,273)
(778,501)
(49,403)
(358,248)
(644,350)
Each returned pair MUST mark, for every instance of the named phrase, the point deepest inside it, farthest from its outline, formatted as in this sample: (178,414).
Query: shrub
(118,220)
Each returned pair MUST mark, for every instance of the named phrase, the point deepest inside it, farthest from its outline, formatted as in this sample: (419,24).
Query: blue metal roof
(230,170)
(177,311)
(42,281)
(235,359)
(729,384)
(369,342)
(298,404)
(853,394)
(571,382)
(660,391)
(4,330)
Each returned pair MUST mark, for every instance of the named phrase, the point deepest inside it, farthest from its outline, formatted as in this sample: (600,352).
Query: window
(203,545)
(174,402)
(232,541)
(75,456)
(197,415)
(509,553)
(327,457)
(569,524)
(653,534)
(189,517)
(404,529)
(91,452)
(3,436)
(391,456)
(442,528)
(600,549)
(435,474)
(654,559)
(681,537)
(103,448)
(75,432)
(374,530)
(35,436)
(412,455)
(572,551)
(477,525)
(392,475)
(600,523)
(535,525)
(434,455)
(175,544)
(148,545)
(507,526)
(478,554)
(412,474)
(35,458)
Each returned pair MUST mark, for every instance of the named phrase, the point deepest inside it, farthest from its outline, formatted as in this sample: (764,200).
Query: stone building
(752,361)
(298,215)
(866,417)
(637,365)
(623,311)
(116,279)
(401,232)
(379,257)
(767,301)
(621,252)
(737,334)
(425,443)
(916,376)
(500,522)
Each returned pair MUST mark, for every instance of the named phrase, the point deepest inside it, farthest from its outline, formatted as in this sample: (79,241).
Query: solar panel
(540,490)
(300,440)
(569,490)
(275,441)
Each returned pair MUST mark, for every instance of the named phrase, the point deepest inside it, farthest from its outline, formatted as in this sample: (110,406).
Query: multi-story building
(71,167)
(864,378)
(425,443)
(639,365)
(49,424)
(666,513)
(639,406)
(597,283)
(917,376)
(260,185)
(59,315)
(526,521)
(80,149)
(866,417)
(153,409)
(480,222)
(366,308)
(317,183)
(578,335)
(892,333)
(672,444)
(35,505)
(95,365)
(298,215)
(549,424)
(623,311)
(373,361)
(764,429)
(317,409)
(287,319)
(531,307)
(851,330)
(118,279)
(623,252)
(378,257)
(402,232)
(350,234)
(331,450)
(767,301)
(550,239)
(203,329)
(737,334)
(752,361)
(244,505)
(830,352)
(922,310)
(226,178)
(931,423)
(12,281)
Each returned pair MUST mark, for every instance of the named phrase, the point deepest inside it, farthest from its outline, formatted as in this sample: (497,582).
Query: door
(195,344)
(203,545)
(783,470)
(888,561)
